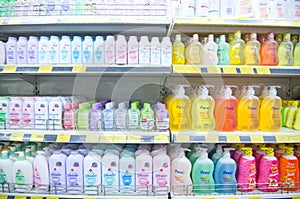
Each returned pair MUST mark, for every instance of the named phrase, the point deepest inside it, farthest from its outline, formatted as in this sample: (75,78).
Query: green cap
(147,106)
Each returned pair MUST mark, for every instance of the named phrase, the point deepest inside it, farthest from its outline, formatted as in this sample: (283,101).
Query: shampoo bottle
(269,51)
(178,51)
(285,51)
(237,45)
(223,51)
(252,50)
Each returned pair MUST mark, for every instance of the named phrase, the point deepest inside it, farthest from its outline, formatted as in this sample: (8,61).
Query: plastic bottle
(180,172)
(161,172)
(193,53)
(3,52)
(99,48)
(92,173)
(110,50)
(201,8)
(226,106)
(95,116)
(202,174)
(187,8)
(121,50)
(65,7)
(296,52)
(22,50)
(108,117)
(277,9)
(166,51)
(236,52)
(155,51)
(214,8)
(65,50)
(4,112)
(143,172)
(227,9)
(57,172)
(6,171)
(110,171)
(87,50)
(82,116)
(32,50)
(43,50)
(179,110)
(127,173)
(147,118)
(41,172)
(263,10)
(121,117)
(247,171)
(280,151)
(28,112)
(252,50)
(133,50)
(224,174)
(16,113)
(289,170)
(268,176)
(69,116)
(178,51)
(270,117)
(162,121)
(11,50)
(144,50)
(223,51)
(210,50)
(74,173)
(269,51)
(54,50)
(22,174)
(133,117)
(297,120)
(217,155)
(290,119)
(285,51)
(76,52)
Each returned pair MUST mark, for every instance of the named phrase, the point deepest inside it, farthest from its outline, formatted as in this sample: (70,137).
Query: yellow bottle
(178,51)
(236,52)
(285,51)
(290,119)
(193,53)
(252,51)
(270,116)
(203,111)
(297,120)
(264,94)
(179,110)
(248,111)
(297,53)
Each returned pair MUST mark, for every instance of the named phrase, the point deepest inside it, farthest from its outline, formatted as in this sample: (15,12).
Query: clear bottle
(133,117)
(285,51)
(108,118)
(269,51)
(193,53)
(178,51)
(223,51)
(252,50)
(121,117)
(237,45)
(147,118)
(211,49)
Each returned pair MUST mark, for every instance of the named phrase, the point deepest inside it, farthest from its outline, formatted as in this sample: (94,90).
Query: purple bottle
(95,115)
(162,117)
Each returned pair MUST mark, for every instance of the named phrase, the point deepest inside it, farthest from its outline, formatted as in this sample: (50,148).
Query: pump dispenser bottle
(247,171)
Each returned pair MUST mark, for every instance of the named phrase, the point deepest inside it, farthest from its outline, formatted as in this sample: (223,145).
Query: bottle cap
(237,34)
(155,39)
(253,36)
(287,36)
(178,37)
(247,150)
(77,38)
(269,151)
(147,106)
(289,150)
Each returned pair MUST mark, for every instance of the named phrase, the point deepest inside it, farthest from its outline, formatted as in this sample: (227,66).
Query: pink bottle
(268,175)
(69,115)
(247,171)
(236,156)
(258,154)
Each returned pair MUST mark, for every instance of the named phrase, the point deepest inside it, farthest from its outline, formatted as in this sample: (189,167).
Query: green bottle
(147,118)
(82,115)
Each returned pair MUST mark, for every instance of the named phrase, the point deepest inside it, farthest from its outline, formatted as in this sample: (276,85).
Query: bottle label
(3,177)
(205,121)
(247,174)
(32,54)
(120,120)
(162,123)
(127,177)
(109,175)
(73,175)
(19,177)
(108,120)
(166,59)
(155,56)
(91,176)
(180,114)
(11,53)
(42,52)
(37,178)
(133,54)
(147,123)
(263,10)
(87,53)
(56,175)
(21,53)
(179,176)
(133,121)
(144,55)
(289,174)
(161,176)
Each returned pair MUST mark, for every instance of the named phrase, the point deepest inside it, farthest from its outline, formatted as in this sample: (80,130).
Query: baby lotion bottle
(247,171)
(133,117)
(143,171)
(55,113)
(22,174)
(285,51)
(54,50)
(69,116)
(57,172)
(166,51)
(155,50)
(110,171)
(92,173)
(87,50)
(193,53)
(237,45)
(133,50)
(32,50)
(82,116)
(95,116)
(178,51)
(28,112)
(41,172)
(11,50)
(269,51)
(6,171)
(144,50)
(121,50)
(252,51)
(223,51)
(201,8)
(127,172)
(147,118)
(99,49)
(214,8)
(210,49)
(74,173)
(108,117)
(162,120)
(110,50)
(161,172)
(268,176)
(43,50)
(16,113)
(41,112)
(22,50)
(76,52)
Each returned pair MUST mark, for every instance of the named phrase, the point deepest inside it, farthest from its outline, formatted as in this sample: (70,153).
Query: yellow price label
(3,196)
(9,69)
(294,138)
(255,197)
(119,138)
(257,139)
(52,197)
(233,138)
(212,138)
(247,70)
(182,138)
(282,138)
(296,197)
(94,138)
(229,70)
(133,139)
(242,18)
(37,137)
(36,197)
(208,198)
(161,137)
(217,21)
(263,70)
(14,21)
(186,69)
(79,69)
(63,138)
(107,139)
(231,198)
(16,137)
(20,197)
(296,23)
(1,21)
(212,70)
(45,69)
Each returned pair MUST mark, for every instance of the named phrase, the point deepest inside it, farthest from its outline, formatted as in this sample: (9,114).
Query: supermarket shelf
(237,70)
(284,136)
(73,69)
(85,136)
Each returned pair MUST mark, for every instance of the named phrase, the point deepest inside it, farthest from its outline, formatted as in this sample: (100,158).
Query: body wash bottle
(178,51)
(237,45)
(252,50)
(285,51)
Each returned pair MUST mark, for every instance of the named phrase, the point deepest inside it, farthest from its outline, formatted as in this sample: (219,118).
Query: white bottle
(297,10)
(127,173)
(55,113)
(180,174)
(74,172)
(11,50)
(41,172)
(99,49)
(121,50)
(210,50)
(28,112)
(87,50)
(166,51)
(41,112)
(65,50)
(92,173)
(43,50)
(76,52)
(6,170)
(133,50)
(161,171)
(144,50)
(121,117)
(110,171)
(263,10)
(22,50)
(32,50)
(22,174)
(2,52)
(4,110)
(155,50)
(110,50)
(143,171)
(187,8)
(227,9)
(201,8)
(214,8)
(57,172)
(277,9)
(53,50)
(16,113)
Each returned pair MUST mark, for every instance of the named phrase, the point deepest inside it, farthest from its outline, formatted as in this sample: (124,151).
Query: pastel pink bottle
(247,171)
(69,115)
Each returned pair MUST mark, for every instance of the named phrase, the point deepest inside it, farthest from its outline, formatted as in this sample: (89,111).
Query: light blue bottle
(76,50)
(223,51)
(88,50)
(217,155)
(225,173)
(108,116)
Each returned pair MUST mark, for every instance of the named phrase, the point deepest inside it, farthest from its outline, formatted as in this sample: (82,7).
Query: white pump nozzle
(273,91)
(228,90)
(226,153)
(203,152)
(251,90)
(203,90)
(179,89)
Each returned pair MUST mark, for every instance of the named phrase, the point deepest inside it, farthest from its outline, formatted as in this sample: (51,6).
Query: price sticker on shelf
(247,70)
(257,139)
(255,197)
(45,69)
(36,197)
(296,197)
(37,137)
(186,69)
(233,138)
(119,138)
(133,139)
(3,196)
(263,70)
(161,137)
(14,21)
(16,137)
(79,69)
(294,138)
(51,197)
(63,138)
(107,139)
(20,197)
(214,70)
(229,70)
(231,198)
(92,138)
(1,21)
(208,198)
(9,69)
(212,138)
(182,137)
(282,138)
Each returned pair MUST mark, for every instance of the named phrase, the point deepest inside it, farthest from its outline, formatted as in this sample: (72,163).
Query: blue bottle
(225,174)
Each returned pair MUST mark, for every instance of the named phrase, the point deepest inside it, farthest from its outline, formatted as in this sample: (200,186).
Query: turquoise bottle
(223,51)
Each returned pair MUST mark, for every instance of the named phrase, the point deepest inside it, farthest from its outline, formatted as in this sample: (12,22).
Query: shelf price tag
(182,138)
(213,70)
(79,69)
(16,137)
(3,196)
(36,197)
(294,138)
(106,139)
(92,138)
(229,70)
(263,70)
(255,197)
(233,139)
(160,137)
(1,21)
(208,198)
(282,138)
(257,139)
(186,69)
(14,21)
(247,70)
(52,197)
(20,197)
(37,137)
(133,139)
(119,138)
(63,138)
(9,69)
(45,69)
(211,138)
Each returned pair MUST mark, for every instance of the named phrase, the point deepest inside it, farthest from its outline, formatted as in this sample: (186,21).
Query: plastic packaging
(133,50)
(144,50)
(285,51)
(32,50)
(223,51)
(88,50)
(252,50)
(74,172)
(41,172)
(237,45)
(121,50)
(99,49)
(76,52)
(54,50)
(269,51)
(110,50)
(43,50)
(65,50)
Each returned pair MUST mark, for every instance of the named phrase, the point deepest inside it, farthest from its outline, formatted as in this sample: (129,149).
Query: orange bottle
(289,170)
(269,51)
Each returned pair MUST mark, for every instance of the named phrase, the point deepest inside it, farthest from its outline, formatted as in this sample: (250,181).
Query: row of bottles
(250,51)
(227,168)
(291,114)
(224,112)
(88,51)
